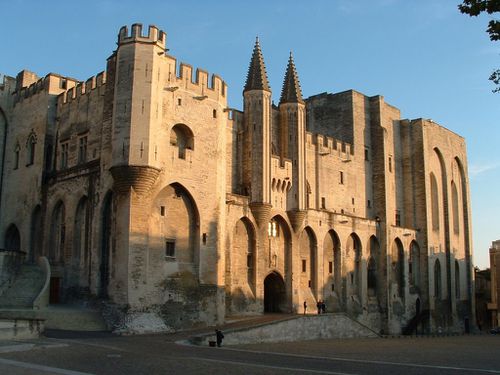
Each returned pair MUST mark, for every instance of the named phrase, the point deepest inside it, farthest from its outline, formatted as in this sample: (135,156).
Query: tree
(474,8)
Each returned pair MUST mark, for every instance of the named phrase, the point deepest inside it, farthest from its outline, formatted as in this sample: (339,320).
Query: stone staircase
(24,289)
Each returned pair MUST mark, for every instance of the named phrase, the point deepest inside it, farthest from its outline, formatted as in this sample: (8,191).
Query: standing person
(219,336)
(318,305)
(323,307)
(305,307)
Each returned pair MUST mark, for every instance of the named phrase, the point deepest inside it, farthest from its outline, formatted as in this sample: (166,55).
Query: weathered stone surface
(142,187)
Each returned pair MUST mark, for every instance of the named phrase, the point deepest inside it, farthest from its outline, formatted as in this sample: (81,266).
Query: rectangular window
(390,163)
(369,204)
(304,265)
(170,248)
(323,202)
(366,155)
(82,150)
(330,267)
(162,210)
(398,218)
(341,178)
(64,155)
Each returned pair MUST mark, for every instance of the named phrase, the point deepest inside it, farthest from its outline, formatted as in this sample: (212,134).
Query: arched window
(30,145)
(437,279)
(182,137)
(434,203)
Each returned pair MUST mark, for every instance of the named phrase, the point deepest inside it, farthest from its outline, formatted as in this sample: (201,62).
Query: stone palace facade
(143,188)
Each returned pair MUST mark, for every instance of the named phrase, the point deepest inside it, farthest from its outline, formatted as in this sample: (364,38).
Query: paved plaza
(104,354)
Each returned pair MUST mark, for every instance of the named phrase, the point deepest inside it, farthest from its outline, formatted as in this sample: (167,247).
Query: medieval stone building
(143,188)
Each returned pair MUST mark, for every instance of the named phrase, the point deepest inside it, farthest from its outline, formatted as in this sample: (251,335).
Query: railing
(42,300)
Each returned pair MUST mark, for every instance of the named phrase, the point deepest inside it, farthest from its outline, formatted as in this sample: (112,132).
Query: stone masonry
(146,191)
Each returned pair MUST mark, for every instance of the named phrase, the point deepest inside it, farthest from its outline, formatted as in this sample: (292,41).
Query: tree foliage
(474,8)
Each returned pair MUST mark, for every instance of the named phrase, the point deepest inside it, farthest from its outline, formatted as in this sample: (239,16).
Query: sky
(423,56)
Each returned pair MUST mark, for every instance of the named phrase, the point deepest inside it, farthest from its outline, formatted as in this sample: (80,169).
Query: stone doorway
(274,293)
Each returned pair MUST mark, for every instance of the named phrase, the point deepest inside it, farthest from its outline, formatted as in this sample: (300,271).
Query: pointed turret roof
(257,76)
(291,92)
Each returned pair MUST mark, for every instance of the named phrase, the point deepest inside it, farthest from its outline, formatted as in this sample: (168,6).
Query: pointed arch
(434,202)
(353,263)
(397,262)
(308,248)
(12,238)
(31,148)
(465,231)
(180,226)
(333,258)
(278,250)
(80,231)
(57,237)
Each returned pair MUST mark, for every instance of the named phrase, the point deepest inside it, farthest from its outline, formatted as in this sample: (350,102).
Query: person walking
(318,306)
(219,336)
(305,307)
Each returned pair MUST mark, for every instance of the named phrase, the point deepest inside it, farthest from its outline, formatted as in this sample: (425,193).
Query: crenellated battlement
(52,83)
(329,145)
(154,35)
(82,88)
(204,84)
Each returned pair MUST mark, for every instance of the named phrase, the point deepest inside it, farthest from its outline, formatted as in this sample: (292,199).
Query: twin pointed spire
(257,77)
(291,92)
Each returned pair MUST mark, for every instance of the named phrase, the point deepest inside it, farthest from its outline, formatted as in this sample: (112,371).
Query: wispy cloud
(476,169)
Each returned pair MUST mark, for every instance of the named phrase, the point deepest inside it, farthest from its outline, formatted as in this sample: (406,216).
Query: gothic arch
(374,267)
(80,229)
(398,266)
(180,226)
(455,208)
(434,202)
(3,147)
(308,255)
(332,259)
(465,231)
(241,263)
(57,236)
(353,258)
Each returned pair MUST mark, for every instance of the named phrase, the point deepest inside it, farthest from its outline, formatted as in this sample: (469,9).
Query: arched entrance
(274,293)
(12,239)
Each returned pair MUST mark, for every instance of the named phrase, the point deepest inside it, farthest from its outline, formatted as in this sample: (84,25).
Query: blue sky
(423,56)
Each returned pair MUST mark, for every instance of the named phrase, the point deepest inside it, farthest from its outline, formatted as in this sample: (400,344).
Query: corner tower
(257,144)
(135,116)
(292,139)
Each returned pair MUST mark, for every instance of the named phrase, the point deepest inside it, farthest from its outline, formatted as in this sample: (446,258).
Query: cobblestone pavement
(77,354)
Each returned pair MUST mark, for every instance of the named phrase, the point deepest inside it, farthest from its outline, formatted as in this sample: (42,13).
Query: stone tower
(257,120)
(292,139)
